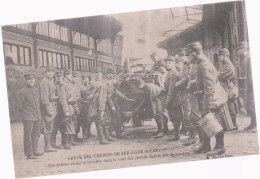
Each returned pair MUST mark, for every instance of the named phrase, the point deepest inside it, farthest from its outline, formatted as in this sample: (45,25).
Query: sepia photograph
(130,89)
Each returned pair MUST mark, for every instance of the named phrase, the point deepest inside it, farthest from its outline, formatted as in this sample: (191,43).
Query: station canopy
(98,27)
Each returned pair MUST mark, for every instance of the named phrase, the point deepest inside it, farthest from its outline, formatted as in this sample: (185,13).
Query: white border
(14,12)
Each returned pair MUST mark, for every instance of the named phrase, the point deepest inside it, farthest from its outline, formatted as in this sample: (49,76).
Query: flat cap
(50,69)
(85,76)
(194,47)
(224,51)
(75,74)
(138,81)
(59,73)
(29,75)
(182,52)
(169,58)
(68,71)
(111,70)
(97,70)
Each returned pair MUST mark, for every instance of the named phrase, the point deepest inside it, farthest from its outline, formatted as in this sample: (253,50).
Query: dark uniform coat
(29,100)
(48,98)
(152,92)
(214,97)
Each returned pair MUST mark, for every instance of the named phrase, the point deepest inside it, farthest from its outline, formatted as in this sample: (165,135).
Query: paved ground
(140,149)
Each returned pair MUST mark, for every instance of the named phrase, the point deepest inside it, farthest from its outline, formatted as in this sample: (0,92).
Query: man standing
(86,123)
(29,100)
(96,100)
(57,121)
(212,97)
(67,98)
(78,121)
(172,102)
(249,96)
(49,108)
(184,95)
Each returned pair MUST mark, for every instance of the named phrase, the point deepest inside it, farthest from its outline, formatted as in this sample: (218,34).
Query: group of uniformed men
(192,91)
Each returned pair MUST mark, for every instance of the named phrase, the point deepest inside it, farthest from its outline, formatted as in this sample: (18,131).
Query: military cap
(169,58)
(178,59)
(224,51)
(85,76)
(29,76)
(75,74)
(59,73)
(68,71)
(194,47)
(138,81)
(182,52)
(111,70)
(97,70)
(50,69)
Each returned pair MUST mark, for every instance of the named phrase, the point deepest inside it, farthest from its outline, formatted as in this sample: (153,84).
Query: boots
(203,146)
(53,142)
(234,120)
(184,130)
(107,135)
(176,135)
(192,137)
(36,151)
(67,141)
(219,148)
(48,148)
(101,136)
(160,131)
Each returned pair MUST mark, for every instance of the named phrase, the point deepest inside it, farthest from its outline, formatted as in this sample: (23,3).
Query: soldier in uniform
(227,76)
(96,100)
(212,97)
(29,100)
(152,99)
(113,110)
(78,121)
(249,96)
(57,121)
(184,95)
(68,99)
(49,101)
(172,102)
(86,124)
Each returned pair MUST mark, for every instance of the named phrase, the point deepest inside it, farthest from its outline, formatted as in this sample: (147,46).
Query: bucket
(209,125)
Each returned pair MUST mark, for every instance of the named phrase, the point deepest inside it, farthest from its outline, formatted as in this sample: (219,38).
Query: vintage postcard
(131,89)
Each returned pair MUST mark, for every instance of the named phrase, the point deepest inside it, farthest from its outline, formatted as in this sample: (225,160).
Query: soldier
(78,120)
(29,100)
(152,99)
(96,99)
(49,101)
(86,123)
(57,121)
(112,108)
(227,76)
(184,95)
(67,98)
(213,97)
(172,102)
(249,95)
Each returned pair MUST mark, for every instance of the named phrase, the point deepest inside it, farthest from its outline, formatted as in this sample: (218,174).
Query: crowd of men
(193,88)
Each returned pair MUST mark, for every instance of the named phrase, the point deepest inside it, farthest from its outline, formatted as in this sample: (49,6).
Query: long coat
(48,98)
(151,98)
(29,102)
(227,76)
(207,81)
(214,97)
(172,98)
